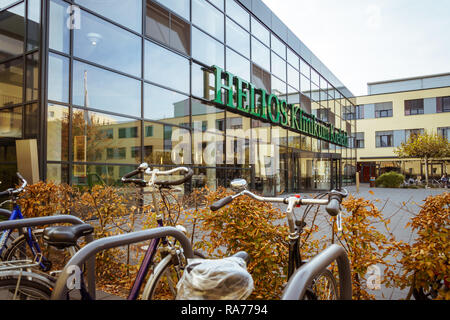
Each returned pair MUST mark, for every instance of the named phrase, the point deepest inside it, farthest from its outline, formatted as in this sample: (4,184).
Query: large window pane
(202,82)
(278,67)
(101,89)
(180,35)
(58,78)
(180,7)
(157,23)
(59,33)
(32,77)
(96,138)
(103,43)
(165,105)
(293,77)
(206,49)
(11,82)
(261,78)
(208,18)
(87,176)
(217,3)
(315,77)
(238,38)
(206,117)
(57,173)
(5,3)
(238,65)
(165,144)
(11,123)
(278,87)
(57,133)
(31,121)
(260,54)
(278,46)
(167,28)
(12,31)
(238,13)
(127,13)
(259,31)
(292,58)
(33,28)
(165,67)
(305,69)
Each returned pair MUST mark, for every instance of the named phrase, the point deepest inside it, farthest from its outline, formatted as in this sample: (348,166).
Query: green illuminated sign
(241,96)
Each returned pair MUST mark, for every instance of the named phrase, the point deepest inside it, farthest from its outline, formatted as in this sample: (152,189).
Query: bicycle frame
(149,254)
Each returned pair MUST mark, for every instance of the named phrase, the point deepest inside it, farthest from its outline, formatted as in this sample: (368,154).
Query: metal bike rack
(91,249)
(303,277)
(42,221)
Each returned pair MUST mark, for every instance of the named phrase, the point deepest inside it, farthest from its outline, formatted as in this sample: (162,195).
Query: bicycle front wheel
(26,290)
(324,287)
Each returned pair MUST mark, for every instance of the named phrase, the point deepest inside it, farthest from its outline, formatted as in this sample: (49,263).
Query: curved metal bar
(91,249)
(5,213)
(63,218)
(39,221)
(303,277)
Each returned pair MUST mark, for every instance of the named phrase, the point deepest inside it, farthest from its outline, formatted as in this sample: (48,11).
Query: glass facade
(130,81)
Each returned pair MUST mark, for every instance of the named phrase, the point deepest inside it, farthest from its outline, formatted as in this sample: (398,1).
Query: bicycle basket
(219,279)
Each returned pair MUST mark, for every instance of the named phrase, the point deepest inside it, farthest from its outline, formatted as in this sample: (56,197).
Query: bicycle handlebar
(166,183)
(12,191)
(221,203)
(143,168)
(333,202)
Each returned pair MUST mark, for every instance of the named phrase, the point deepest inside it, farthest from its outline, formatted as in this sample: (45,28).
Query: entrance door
(336,174)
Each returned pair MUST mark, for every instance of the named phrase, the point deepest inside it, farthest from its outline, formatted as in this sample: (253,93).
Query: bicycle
(162,279)
(161,283)
(28,238)
(24,278)
(324,285)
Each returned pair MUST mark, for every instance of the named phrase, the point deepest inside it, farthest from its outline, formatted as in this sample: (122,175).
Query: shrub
(366,247)
(254,227)
(45,199)
(426,261)
(390,180)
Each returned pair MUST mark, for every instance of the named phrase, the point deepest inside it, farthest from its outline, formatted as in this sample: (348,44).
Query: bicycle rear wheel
(26,290)
(324,287)
(52,258)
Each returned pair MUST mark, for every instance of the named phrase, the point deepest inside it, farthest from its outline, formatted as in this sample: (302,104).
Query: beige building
(390,113)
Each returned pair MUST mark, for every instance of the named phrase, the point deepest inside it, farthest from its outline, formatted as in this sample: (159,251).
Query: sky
(363,41)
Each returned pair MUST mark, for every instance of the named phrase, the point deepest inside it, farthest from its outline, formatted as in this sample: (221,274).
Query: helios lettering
(238,95)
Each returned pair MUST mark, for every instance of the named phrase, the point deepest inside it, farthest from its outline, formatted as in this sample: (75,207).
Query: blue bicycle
(26,245)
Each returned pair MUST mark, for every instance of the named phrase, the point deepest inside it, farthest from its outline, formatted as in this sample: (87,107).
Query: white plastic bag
(219,279)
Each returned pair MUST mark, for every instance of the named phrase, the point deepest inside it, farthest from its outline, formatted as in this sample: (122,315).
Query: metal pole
(303,277)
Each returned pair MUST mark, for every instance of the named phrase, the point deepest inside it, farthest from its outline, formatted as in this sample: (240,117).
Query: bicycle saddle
(66,236)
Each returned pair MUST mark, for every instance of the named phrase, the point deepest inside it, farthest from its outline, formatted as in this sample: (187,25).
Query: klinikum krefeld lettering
(239,95)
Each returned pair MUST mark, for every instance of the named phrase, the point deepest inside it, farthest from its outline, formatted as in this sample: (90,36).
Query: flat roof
(410,78)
